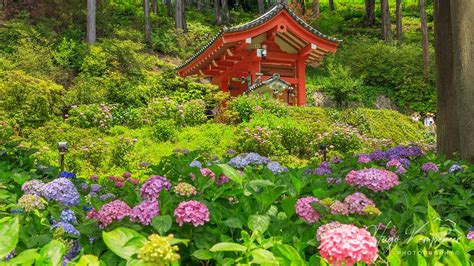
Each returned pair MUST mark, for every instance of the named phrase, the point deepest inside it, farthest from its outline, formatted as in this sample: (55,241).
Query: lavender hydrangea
(426,167)
(455,168)
(68,216)
(357,202)
(323,169)
(378,155)
(153,186)
(145,212)
(375,179)
(193,212)
(242,160)
(61,190)
(73,252)
(195,163)
(106,197)
(305,210)
(276,167)
(67,227)
(33,186)
(95,188)
(363,158)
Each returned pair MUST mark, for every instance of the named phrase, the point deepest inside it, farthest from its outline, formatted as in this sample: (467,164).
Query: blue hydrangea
(87,208)
(95,188)
(73,252)
(242,160)
(16,211)
(455,168)
(238,162)
(276,167)
(68,228)
(61,190)
(68,216)
(10,255)
(378,155)
(67,174)
(255,158)
(195,163)
(106,196)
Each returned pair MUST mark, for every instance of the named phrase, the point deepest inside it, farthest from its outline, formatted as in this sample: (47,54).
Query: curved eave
(217,40)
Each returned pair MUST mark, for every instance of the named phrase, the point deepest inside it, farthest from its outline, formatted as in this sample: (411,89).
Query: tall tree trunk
(316,8)
(169,8)
(200,5)
(180,16)
(217,8)
(261,7)
(424,33)
(369,13)
(91,31)
(462,12)
(399,21)
(447,115)
(331,5)
(154,6)
(386,22)
(225,10)
(146,11)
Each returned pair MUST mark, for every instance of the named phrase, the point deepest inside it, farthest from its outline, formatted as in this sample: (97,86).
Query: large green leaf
(27,257)
(162,224)
(262,256)
(434,219)
(227,246)
(288,252)
(119,242)
(9,230)
(231,173)
(88,260)
(52,253)
(203,254)
(394,258)
(259,223)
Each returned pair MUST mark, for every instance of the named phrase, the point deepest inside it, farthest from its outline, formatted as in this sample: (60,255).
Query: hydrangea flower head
(305,210)
(113,211)
(126,175)
(33,186)
(145,212)
(196,163)
(158,250)
(347,244)
(30,202)
(68,216)
(67,227)
(338,207)
(455,168)
(375,179)
(363,158)
(95,188)
(470,235)
(357,202)
(276,167)
(61,190)
(185,189)
(153,186)
(93,178)
(426,167)
(371,210)
(242,160)
(208,172)
(222,180)
(107,196)
(325,227)
(191,212)
(378,155)
(67,174)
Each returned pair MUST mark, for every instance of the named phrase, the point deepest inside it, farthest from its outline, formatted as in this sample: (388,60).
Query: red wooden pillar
(301,76)
(225,84)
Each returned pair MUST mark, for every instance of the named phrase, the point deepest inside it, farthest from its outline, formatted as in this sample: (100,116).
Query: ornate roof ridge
(256,22)
(274,77)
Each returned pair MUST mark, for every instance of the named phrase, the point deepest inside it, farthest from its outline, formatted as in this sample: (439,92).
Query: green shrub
(184,114)
(164,130)
(340,86)
(92,115)
(27,100)
(244,107)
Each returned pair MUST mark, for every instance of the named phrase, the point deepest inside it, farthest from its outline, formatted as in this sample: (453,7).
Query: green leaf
(203,254)
(394,258)
(9,230)
(88,260)
(259,223)
(460,253)
(320,193)
(233,222)
(288,252)
(288,206)
(231,173)
(118,239)
(421,261)
(53,253)
(262,256)
(434,219)
(227,246)
(162,224)
(27,257)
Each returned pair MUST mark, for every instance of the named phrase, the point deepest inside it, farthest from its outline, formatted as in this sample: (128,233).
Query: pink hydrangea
(305,210)
(113,211)
(338,207)
(347,244)
(470,235)
(363,158)
(357,202)
(375,179)
(395,163)
(153,186)
(193,212)
(208,172)
(326,227)
(145,212)
(426,167)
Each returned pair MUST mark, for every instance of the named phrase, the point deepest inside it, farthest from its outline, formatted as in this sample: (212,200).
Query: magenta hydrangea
(357,202)
(208,172)
(347,244)
(193,212)
(397,164)
(470,235)
(326,227)
(426,167)
(375,179)
(145,211)
(363,158)
(305,210)
(110,212)
(153,186)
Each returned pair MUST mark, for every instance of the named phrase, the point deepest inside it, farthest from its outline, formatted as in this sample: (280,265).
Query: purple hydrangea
(455,168)
(153,186)
(357,202)
(193,212)
(375,179)
(73,252)
(323,169)
(412,151)
(363,158)
(208,172)
(33,186)
(336,160)
(84,187)
(395,163)
(145,211)
(276,167)
(195,163)
(426,167)
(378,155)
(113,211)
(67,227)
(68,216)
(67,174)
(242,160)
(106,197)
(305,210)
(95,188)
(222,180)
(61,190)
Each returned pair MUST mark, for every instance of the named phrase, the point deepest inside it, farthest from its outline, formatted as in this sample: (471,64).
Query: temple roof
(219,42)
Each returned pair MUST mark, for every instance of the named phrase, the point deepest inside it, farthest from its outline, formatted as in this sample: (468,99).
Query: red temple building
(266,55)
